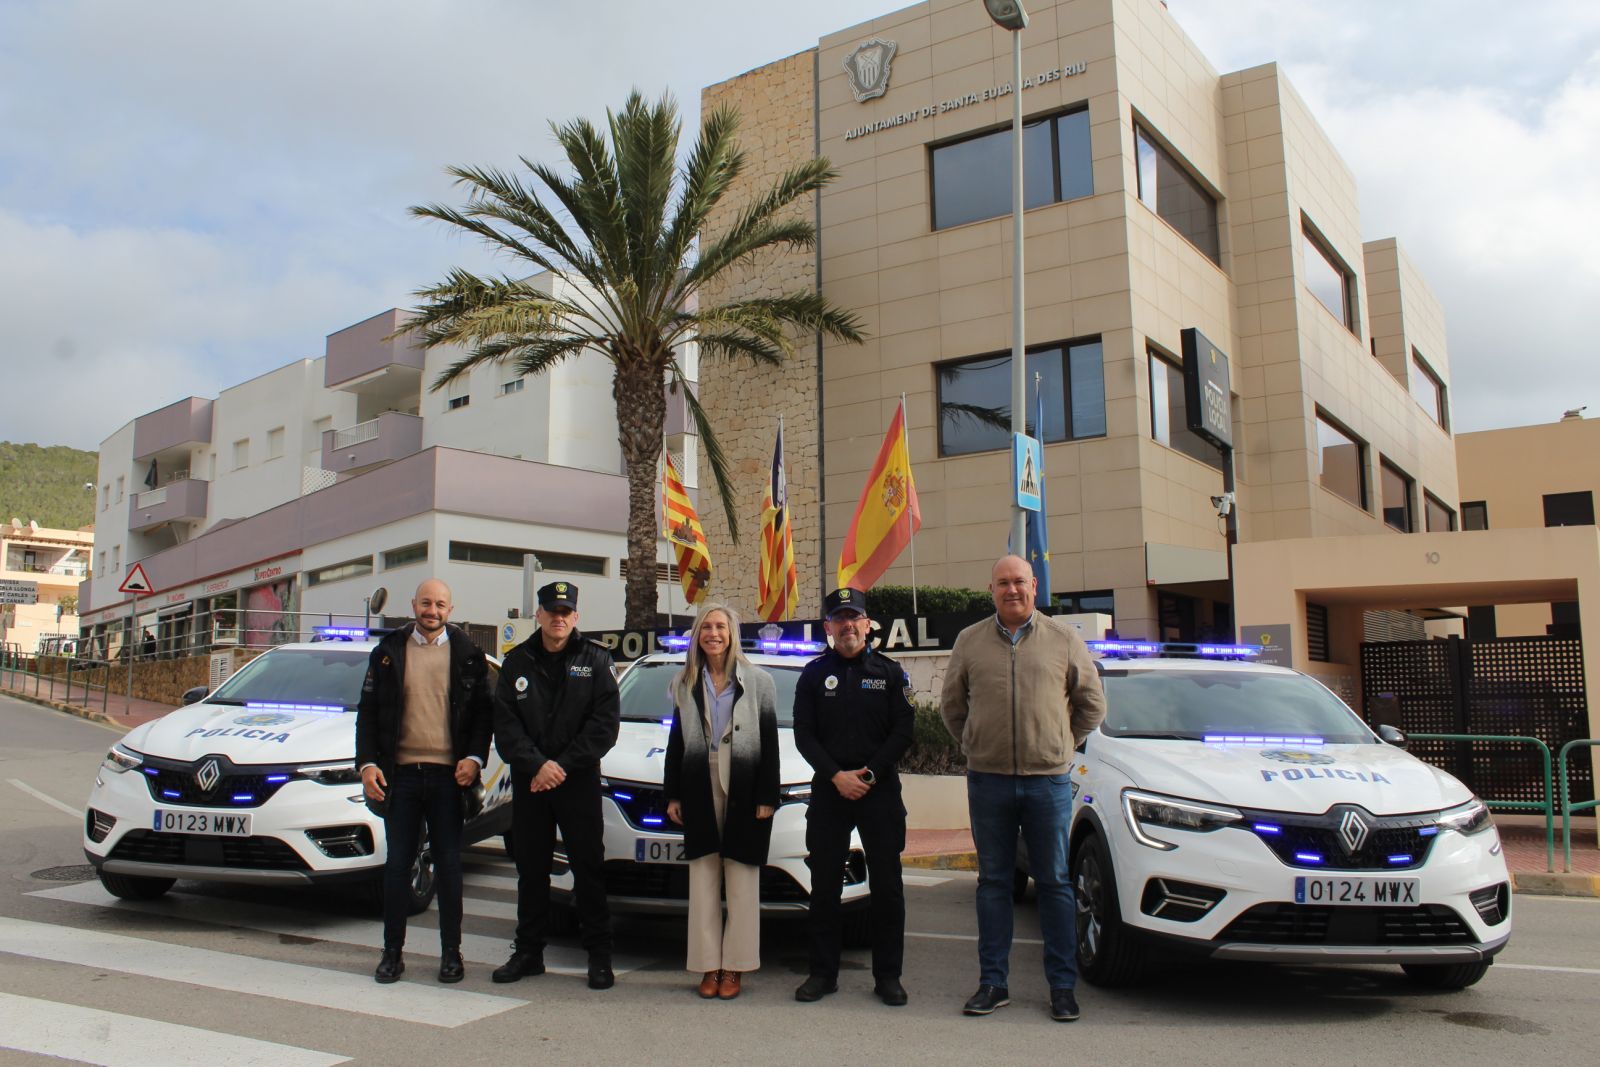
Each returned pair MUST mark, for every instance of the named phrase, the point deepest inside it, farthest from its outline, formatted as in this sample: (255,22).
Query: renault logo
(1352,832)
(208,776)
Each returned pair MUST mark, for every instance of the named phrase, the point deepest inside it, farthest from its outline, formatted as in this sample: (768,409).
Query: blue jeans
(1040,806)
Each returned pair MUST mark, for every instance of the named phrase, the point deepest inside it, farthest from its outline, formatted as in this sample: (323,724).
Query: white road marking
(923,879)
(76,813)
(490,881)
(90,1035)
(968,937)
(1542,967)
(292,982)
(272,919)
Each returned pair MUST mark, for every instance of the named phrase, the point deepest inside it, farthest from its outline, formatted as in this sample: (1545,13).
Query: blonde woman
(721,785)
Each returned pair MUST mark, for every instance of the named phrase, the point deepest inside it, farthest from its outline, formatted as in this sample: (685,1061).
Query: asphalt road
(225,976)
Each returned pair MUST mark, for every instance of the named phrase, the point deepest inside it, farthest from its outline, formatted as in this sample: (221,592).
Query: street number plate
(1370,892)
(209,823)
(658,850)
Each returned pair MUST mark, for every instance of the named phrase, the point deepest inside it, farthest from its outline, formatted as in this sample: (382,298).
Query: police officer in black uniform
(852,722)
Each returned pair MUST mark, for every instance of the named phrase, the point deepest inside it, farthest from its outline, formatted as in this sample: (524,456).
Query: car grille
(1318,924)
(342,842)
(238,786)
(1493,903)
(1387,843)
(197,850)
(97,824)
(644,806)
(1184,902)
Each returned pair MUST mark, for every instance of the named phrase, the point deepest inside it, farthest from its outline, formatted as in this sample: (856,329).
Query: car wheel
(134,887)
(1446,975)
(422,883)
(1019,885)
(1108,955)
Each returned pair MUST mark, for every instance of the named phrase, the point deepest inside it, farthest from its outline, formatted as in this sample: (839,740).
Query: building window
(1341,462)
(972,177)
(454,402)
(1100,600)
(975,397)
(105,496)
(513,386)
(404,557)
(506,556)
(665,572)
(102,572)
(1168,188)
(241,454)
(1564,620)
(275,443)
(1428,390)
(1317,633)
(1474,515)
(354,568)
(1330,281)
(1396,496)
(120,488)
(568,563)
(1440,519)
(1569,509)
(1481,624)
(1169,413)
(116,558)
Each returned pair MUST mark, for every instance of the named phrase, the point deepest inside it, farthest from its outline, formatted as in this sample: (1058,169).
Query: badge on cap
(522,684)
(561,588)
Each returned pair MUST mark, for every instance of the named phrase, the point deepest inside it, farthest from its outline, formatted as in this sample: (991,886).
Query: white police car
(1244,811)
(645,866)
(256,783)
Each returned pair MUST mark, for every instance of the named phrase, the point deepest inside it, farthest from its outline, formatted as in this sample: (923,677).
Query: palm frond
(646,139)
(713,164)
(713,451)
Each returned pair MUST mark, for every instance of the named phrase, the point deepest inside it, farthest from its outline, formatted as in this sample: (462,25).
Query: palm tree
(626,235)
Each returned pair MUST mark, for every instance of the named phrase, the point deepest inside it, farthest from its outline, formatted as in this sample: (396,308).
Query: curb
(942,861)
(71,709)
(1543,884)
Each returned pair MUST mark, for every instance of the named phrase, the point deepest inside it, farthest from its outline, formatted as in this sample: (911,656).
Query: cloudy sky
(192,193)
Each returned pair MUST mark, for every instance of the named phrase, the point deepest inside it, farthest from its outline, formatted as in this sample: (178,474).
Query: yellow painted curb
(71,709)
(943,861)
(1541,883)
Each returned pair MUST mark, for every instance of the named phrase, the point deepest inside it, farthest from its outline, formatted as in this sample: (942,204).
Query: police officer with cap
(852,722)
(556,713)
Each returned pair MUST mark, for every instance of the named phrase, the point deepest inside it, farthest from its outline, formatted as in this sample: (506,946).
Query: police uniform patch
(522,684)
(1295,756)
(831,682)
(911,694)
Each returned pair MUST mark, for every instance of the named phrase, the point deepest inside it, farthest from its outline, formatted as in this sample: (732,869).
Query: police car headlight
(1152,809)
(795,794)
(120,759)
(1469,818)
(342,773)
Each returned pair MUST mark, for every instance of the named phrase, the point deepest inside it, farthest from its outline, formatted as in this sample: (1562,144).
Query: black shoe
(986,1000)
(519,965)
(815,988)
(890,991)
(390,967)
(600,974)
(1063,1005)
(451,969)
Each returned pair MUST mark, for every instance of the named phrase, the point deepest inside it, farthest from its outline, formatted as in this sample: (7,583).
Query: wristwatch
(868,777)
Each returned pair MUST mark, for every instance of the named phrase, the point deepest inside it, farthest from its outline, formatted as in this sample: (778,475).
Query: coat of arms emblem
(868,67)
(894,491)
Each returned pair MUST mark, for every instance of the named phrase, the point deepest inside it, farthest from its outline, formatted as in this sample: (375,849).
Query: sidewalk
(120,711)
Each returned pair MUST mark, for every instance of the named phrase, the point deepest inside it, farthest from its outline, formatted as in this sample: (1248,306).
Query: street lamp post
(1010,15)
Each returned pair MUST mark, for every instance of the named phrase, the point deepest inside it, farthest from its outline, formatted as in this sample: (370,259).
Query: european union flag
(1038,553)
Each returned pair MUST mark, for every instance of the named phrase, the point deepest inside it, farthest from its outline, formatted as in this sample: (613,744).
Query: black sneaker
(890,991)
(390,967)
(815,988)
(1063,1005)
(520,965)
(986,1000)
(601,975)
(451,968)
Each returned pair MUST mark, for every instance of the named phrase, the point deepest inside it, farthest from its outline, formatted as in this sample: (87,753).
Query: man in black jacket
(422,735)
(852,722)
(556,713)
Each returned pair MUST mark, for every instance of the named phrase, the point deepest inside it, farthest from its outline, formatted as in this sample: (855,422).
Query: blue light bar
(794,648)
(1229,650)
(667,723)
(1142,648)
(1308,857)
(652,820)
(677,644)
(1427,831)
(1261,739)
(622,796)
(277,777)
(243,798)
(1400,860)
(171,793)
(151,771)
(1172,648)
(254,705)
(352,633)
(1267,828)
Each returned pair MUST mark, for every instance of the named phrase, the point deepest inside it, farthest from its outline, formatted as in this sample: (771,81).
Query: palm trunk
(641,406)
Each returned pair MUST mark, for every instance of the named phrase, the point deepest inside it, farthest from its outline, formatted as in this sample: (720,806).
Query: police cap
(843,600)
(559,595)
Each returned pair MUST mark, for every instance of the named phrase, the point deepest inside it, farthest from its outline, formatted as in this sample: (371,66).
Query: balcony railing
(392,435)
(354,435)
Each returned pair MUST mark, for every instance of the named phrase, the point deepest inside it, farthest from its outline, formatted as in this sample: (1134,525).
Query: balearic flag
(778,583)
(887,514)
(682,529)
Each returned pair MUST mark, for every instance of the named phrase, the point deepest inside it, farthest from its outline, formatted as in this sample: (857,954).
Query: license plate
(210,823)
(658,850)
(1371,892)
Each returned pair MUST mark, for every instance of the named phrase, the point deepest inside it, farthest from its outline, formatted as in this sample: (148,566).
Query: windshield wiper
(1158,737)
(228,701)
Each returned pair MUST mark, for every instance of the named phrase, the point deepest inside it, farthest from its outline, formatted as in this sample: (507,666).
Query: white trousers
(715,944)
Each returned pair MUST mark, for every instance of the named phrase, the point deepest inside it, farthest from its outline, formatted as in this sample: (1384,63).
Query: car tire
(1108,954)
(1446,975)
(423,881)
(1019,885)
(134,887)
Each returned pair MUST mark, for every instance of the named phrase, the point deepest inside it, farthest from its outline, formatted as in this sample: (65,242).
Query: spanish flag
(887,514)
(778,582)
(682,529)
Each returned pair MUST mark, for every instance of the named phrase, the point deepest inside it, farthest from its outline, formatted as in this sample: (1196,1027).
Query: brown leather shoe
(708,984)
(728,987)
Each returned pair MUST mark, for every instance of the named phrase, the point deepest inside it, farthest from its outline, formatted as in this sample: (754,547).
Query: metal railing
(354,435)
(1567,806)
(1546,807)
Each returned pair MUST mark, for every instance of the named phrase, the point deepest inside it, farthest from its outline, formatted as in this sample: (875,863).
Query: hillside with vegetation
(46,485)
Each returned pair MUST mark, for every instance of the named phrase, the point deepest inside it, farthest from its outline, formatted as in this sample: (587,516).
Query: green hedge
(886,600)
(933,750)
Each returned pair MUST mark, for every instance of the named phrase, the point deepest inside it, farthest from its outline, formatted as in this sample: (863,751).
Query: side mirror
(1393,735)
(195,695)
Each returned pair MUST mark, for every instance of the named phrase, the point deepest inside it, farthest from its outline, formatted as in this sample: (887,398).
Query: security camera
(88,485)
(1223,504)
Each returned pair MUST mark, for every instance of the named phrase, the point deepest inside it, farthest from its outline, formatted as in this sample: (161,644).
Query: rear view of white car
(1243,812)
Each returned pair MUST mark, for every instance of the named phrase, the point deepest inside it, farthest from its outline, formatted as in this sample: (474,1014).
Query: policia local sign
(889,634)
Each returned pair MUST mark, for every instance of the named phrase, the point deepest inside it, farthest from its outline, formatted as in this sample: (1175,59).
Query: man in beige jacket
(1020,692)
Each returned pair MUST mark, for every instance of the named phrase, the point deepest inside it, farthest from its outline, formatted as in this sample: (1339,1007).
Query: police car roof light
(339,633)
(264,706)
(677,644)
(791,648)
(1260,739)
(1175,649)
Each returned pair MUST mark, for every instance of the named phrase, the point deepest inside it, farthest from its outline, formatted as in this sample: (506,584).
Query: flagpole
(905,437)
(672,554)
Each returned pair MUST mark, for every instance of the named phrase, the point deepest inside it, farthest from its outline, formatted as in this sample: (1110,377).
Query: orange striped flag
(682,529)
(778,582)
(887,514)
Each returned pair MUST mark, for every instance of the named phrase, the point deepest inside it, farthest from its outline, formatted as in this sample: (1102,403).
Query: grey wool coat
(749,765)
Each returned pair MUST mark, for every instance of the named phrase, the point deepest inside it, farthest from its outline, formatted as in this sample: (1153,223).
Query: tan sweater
(425,722)
(1022,709)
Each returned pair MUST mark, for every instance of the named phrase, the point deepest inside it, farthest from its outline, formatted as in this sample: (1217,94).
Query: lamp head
(1007,14)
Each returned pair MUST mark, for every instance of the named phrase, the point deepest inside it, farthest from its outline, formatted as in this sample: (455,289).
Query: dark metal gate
(1532,686)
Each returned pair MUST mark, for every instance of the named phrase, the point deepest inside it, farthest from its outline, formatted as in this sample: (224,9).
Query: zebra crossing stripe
(90,1035)
(339,990)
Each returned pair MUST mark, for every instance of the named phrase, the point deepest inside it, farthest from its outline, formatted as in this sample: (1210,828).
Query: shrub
(885,600)
(933,750)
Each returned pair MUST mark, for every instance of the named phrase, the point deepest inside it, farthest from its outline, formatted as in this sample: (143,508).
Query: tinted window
(329,676)
(975,398)
(1436,515)
(1341,463)
(1169,414)
(1428,390)
(972,178)
(1328,280)
(1168,189)
(1396,498)
(1191,705)
(646,690)
(1569,509)
(1474,515)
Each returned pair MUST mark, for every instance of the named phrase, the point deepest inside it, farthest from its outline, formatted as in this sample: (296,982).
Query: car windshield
(646,696)
(330,676)
(1199,704)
